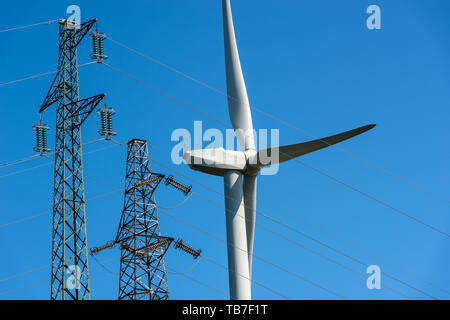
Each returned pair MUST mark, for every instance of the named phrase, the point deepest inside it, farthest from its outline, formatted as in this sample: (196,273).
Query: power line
(370,163)
(259,283)
(163,93)
(178,204)
(24,273)
(41,75)
(46,280)
(39,282)
(29,26)
(103,266)
(48,212)
(24,219)
(25,170)
(23,288)
(373,198)
(198,281)
(296,160)
(19,161)
(49,163)
(190,268)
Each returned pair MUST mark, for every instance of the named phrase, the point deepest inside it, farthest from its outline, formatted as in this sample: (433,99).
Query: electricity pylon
(142,269)
(70,272)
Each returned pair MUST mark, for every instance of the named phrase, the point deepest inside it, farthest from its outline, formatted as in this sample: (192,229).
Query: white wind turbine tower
(240,168)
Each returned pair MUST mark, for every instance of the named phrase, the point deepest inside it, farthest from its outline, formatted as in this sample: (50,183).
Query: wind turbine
(240,168)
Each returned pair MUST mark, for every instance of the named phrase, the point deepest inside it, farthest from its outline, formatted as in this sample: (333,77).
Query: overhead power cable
(49,163)
(41,75)
(269,115)
(46,280)
(178,204)
(48,212)
(25,170)
(29,25)
(197,281)
(365,194)
(20,161)
(263,285)
(194,264)
(24,273)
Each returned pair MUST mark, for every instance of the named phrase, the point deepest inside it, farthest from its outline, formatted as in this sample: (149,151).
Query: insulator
(96,250)
(188,249)
(44,139)
(106,122)
(41,138)
(157,244)
(94,54)
(178,185)
(101,52)
(109,122)
(97,47)
(148,181)
(100,45)
(38,138)
(103,119)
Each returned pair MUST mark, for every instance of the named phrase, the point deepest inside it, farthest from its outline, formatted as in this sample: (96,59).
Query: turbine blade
(250,215)
(268,156)
(238,105)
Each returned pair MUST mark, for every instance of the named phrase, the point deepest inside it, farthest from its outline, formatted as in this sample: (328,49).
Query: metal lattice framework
(70,272)
(142,269)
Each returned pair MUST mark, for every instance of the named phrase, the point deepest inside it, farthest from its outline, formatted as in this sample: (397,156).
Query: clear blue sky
(311,63)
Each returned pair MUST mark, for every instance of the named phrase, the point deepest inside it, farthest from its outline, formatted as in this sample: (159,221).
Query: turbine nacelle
(217,161)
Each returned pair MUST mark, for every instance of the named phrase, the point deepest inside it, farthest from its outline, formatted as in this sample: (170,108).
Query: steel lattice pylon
(70,272)
(142,269)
